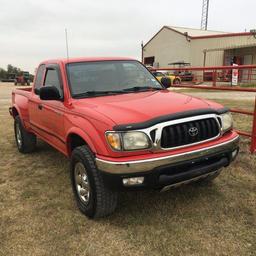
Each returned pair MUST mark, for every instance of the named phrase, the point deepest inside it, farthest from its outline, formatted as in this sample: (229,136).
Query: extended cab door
(34,104)
(52,112)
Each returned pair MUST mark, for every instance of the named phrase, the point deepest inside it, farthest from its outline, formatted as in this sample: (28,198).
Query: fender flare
(83,135)
(14,106)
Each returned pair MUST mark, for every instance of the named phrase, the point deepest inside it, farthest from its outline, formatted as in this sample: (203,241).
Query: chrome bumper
(138,166)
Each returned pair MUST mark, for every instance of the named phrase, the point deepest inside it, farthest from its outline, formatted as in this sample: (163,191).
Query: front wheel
(93,198)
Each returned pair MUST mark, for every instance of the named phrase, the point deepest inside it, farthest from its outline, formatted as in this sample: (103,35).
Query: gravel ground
(228,95)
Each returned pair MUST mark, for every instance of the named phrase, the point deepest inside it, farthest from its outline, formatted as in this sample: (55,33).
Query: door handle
(40,106)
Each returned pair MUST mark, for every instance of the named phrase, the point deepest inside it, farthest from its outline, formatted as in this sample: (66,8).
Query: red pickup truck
(121,129)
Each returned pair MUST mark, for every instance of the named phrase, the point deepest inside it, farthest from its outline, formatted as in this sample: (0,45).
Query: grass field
(38,215)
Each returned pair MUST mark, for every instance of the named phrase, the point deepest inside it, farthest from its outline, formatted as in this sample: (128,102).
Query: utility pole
(204,18)
(142,49)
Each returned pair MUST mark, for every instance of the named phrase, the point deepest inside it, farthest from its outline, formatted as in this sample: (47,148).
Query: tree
(3,73)
(13,70)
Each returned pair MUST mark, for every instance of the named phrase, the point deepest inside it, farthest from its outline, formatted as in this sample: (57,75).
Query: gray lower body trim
(139,166)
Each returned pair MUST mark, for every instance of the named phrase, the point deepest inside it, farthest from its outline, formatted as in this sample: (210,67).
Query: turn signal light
(114,140)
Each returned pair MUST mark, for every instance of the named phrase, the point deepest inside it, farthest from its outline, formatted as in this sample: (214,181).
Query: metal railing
(227,78)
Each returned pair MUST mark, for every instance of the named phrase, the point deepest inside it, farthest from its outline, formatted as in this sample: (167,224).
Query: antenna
(66,34)
(204,18)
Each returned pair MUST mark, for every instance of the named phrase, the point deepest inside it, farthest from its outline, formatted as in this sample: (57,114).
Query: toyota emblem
(193,131)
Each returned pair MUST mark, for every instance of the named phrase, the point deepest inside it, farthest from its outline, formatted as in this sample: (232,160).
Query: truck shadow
(150,205)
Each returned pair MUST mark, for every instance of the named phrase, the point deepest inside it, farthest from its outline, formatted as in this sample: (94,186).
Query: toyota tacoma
(121,129)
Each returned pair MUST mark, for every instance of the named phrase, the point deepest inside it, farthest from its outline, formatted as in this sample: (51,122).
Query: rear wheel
(93,198)
(176,81)
(26,141)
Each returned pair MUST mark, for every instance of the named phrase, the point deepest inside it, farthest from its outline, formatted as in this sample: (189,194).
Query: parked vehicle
(10,77)
(22,79)
(121,129)
(185,75)
(173,79)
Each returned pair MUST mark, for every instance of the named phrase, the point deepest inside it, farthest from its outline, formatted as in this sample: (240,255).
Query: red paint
(253,142)
(208,68)
(223,35)
(90,118)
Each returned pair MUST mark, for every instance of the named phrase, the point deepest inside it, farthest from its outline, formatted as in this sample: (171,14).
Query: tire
(93,198)
(26,141)
(176,81)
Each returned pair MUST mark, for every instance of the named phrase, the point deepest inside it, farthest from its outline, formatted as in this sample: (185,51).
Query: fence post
(253,142)
(214,77)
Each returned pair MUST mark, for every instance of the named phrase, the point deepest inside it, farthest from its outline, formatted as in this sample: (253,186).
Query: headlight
(226,121)
(135,140)
(128,140)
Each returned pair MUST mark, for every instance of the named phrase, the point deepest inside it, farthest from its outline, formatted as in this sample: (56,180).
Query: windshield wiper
(95,93)
(142,88)
(102,93)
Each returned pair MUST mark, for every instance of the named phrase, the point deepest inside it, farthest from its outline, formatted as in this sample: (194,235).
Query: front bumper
(138,166)
(172,170)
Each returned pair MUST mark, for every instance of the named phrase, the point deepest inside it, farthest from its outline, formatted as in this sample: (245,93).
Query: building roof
(196,32)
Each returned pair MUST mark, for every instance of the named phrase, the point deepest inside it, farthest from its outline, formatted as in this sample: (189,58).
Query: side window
(39,77)
(52,78)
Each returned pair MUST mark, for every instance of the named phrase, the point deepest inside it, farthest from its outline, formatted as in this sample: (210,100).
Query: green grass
(38,215)
(248,85)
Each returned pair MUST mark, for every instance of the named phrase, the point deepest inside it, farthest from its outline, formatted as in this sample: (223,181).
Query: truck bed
(22,90)
(20,97)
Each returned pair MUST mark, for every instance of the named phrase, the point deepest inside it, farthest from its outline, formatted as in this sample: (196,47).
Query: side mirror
(36,90)
(49,92)
(166,82)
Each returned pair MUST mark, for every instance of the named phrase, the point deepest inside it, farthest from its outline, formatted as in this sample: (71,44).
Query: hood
(143,106)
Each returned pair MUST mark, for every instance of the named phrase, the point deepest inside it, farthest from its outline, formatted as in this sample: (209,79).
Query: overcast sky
(32,31)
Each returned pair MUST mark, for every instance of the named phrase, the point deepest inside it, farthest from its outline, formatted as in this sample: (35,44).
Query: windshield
(106,77)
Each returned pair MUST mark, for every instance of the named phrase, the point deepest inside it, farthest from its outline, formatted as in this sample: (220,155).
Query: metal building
(199,47)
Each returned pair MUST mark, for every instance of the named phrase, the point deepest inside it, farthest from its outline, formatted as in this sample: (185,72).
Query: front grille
(189,132)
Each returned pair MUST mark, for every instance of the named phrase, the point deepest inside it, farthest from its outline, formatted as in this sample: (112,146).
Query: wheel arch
(15,111)
(75,138)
